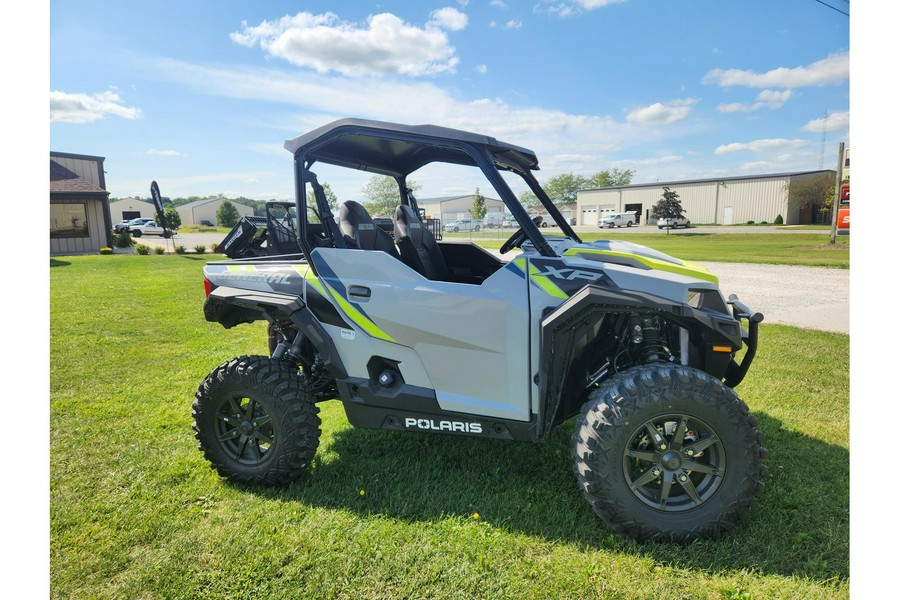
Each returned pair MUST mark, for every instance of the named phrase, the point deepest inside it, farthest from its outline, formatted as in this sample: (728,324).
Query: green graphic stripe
(686,268)
(360,319)
(545,284)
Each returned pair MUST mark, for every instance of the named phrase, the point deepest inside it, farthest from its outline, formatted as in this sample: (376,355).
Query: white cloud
(574,7)
(770,99)
(839,121)
(155,152)
(481,69)
(513,24)
(767,145)
(384,44)
(448,18)
(499,4)
(84,108)
(661,114)
(832,70)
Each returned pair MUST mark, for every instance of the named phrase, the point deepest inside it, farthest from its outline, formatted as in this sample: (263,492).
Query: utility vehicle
(411,334)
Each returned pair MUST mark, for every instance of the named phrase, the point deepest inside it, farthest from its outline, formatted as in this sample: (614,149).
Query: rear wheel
(629,224)
(256,421)
(668,453)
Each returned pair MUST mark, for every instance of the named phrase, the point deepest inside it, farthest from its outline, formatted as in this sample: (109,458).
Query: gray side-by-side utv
(642,347)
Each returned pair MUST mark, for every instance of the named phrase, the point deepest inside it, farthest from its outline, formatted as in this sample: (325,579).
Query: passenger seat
(360,231)
(418,248)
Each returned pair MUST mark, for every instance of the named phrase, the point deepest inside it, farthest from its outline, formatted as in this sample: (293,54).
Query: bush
(159,250)
(142,249)
(200,249)
(751,222)
(179,249)
(763,222)
(779,220)
(122,240)
(106,250)
(212,247)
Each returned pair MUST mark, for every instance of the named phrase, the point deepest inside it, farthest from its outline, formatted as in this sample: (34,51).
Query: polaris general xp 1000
(412,334)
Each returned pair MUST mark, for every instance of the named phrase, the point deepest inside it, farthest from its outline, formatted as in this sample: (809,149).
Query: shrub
(751,222)
(159,250)
(200,249)
(142,249)
(779,220)
(122,240)
(212,247)
(106,250)
(763,222)
(179,249)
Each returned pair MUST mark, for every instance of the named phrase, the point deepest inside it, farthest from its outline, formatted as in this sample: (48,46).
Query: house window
(68,221)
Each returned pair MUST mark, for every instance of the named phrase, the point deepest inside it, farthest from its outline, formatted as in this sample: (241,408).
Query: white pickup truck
(149,228)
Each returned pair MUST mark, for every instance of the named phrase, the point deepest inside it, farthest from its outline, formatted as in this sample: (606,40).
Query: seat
(418,248)
(361,232)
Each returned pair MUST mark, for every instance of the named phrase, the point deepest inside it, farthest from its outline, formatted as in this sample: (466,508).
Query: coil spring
(652,350)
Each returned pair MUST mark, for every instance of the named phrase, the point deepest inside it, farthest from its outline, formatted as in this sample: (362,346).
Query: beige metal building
(456,207)
(205,210)
(131,208)
(722,201)
(79,205)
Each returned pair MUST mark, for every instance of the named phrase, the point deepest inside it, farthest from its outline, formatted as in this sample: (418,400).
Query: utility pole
(837,193)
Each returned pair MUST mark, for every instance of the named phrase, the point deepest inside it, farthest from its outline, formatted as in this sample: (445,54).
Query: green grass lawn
(808,249)
(136,512)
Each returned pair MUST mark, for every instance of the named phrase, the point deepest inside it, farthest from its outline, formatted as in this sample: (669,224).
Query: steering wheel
(516,239)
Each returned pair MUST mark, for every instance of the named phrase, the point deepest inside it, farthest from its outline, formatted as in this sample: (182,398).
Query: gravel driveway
(810,297)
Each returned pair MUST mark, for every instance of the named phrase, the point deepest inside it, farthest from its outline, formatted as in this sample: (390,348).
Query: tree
(562,189)
(804,192)
(610,178)
(383,194)
(227,215)
(479,209)
(529,200)
(173,219)
(668,207)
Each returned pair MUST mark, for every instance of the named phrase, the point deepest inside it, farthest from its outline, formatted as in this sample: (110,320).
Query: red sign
(845,194)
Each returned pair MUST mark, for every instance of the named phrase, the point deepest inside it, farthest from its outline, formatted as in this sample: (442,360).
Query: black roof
(395,149)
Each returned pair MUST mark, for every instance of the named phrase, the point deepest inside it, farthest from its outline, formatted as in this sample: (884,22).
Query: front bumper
(735,372)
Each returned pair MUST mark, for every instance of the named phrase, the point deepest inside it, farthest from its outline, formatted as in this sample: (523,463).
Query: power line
(833,8)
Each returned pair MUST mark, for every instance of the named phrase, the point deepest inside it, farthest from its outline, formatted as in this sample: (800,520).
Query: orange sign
(843,219)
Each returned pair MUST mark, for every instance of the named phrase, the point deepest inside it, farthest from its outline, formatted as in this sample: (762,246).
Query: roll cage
(397,151)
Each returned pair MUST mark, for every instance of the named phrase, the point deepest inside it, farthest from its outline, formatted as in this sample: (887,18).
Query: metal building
(722,200)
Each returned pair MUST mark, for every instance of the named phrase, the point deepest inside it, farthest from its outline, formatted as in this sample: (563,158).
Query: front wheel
(137,233)
(256,421)
(667,452)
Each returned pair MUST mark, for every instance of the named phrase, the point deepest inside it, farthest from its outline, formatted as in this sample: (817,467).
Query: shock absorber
(652,349)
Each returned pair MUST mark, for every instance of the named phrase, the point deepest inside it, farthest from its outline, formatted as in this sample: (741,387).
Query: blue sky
(200,96)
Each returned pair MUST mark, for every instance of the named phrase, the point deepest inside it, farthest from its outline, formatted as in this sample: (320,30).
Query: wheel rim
(674,463)
(244,430)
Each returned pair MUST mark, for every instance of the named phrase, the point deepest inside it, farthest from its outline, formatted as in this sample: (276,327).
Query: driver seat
(418,248)
(360,231)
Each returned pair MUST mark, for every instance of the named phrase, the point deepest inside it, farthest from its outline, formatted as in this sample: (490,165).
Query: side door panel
(472,340)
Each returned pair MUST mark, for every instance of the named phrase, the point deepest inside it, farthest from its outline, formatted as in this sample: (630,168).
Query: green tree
(529,200)
(610,178)
(562,189)
(479,209)
(806,191)
(227,215)
(668,207)
(383,194)
(173,219)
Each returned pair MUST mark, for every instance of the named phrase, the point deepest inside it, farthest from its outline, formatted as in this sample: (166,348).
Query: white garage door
(588,215)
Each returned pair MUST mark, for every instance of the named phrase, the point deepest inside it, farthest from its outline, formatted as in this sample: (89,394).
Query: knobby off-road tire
(668,453)
(256,422)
